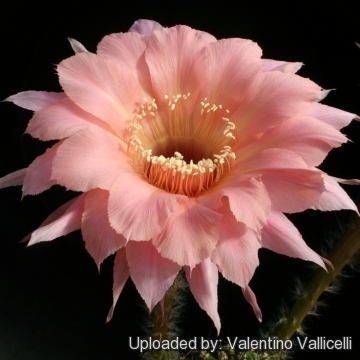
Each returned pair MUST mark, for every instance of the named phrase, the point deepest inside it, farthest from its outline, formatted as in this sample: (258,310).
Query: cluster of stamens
(173,173)
(230,126)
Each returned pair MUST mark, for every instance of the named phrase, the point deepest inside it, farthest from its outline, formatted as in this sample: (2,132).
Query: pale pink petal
(236,254)
(96,84)
(13,179)
(65,223)
(347,181)
(290,183)
(248,198)
(145,27)
(35,100)
(58,213)
(306,136)
(77,46)
(93,153)
(329,115)
(121,274)
(151,273)
(38,175)
(334,197)
(61,120)
(273,98)
(251,299)
(190,235)
(127,48)
(325,93)
(101,240)
(203,281)
(231,64)
(137,209)
(281,236)
(283,66)
(328,263)
(52,217)
(172,55)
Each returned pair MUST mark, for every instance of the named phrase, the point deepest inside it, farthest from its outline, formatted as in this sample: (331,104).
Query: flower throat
(176,153)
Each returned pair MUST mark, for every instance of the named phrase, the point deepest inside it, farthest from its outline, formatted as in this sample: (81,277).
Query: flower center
(179,147)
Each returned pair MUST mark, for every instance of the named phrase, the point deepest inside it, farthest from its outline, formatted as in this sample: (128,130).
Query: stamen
(174,174)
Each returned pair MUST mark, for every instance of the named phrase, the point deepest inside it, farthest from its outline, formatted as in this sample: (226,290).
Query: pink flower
(187,151)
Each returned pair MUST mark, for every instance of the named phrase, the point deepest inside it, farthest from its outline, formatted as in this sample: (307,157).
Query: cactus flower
(186,151)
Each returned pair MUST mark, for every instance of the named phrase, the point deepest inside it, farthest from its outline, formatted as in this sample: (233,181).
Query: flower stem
(340,256)
(164,319)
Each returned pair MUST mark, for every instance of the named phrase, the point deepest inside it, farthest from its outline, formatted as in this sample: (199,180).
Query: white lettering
(205,344)
(193,344)
(288,344)
(130,343)
(144,344)
(213,345)
(243,345)
(302,345)
(232,345)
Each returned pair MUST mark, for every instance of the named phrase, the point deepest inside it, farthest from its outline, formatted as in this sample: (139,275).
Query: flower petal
(273,98)
(121,274)
(281,236)
(13,179)
(126,48)
(329,115)
(231,64)
(77,46)
(96,84)
(203,281)
(251,299)
(171,55)
(248,199)
(151,273)
(38,175)
(236,254)
(347,181)
(334,197)
(35,100)
(190,234)
(93,153)
(61,120)
(145,27)
(283,66)
(52,217)
(290,183)
(306,136)
(137,209)
(101,240)
(64,220)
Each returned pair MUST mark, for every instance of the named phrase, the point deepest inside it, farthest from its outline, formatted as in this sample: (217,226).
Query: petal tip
(328,263)
(77,46)
(110,314)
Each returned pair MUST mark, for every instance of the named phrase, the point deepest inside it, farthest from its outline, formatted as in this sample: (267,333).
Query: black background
(53,302)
